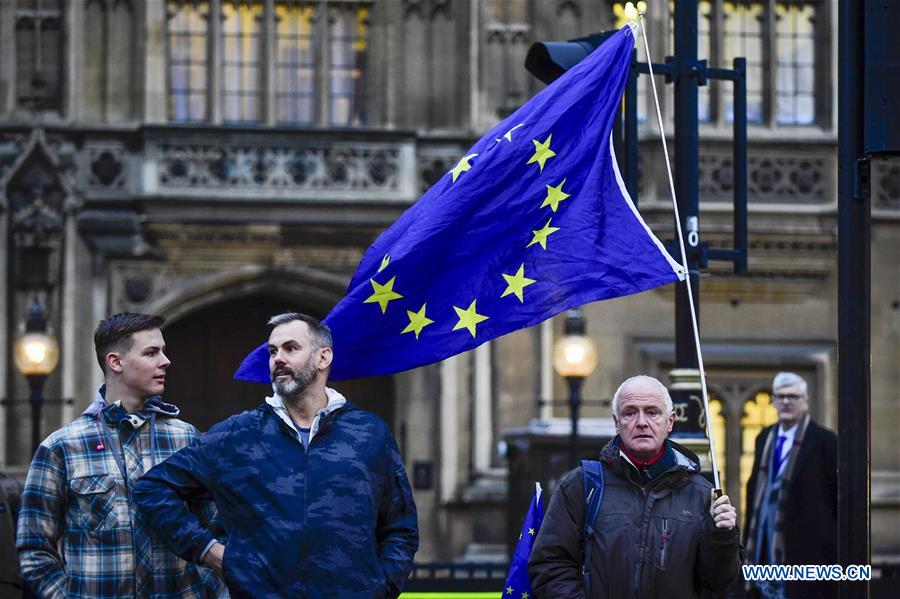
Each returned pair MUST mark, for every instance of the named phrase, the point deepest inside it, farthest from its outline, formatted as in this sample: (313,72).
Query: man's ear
(114,362)
(671,420)
(325,358)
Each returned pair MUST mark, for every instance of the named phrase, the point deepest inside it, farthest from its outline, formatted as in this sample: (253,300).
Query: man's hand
(213,558)
(722,512)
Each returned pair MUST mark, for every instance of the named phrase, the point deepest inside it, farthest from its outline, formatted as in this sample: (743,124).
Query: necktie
(778,460)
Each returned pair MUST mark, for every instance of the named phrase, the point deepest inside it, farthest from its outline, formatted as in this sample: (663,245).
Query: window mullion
(216,62)
(770,59)
(717,58)
(323,61)
(268,65)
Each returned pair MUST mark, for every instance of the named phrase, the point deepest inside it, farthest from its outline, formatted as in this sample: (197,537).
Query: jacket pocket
(96,500)
(233,571)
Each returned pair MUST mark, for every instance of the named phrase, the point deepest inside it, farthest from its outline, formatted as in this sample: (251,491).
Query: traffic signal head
(549,60)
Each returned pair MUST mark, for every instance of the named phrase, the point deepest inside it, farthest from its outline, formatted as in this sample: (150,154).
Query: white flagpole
(684,263)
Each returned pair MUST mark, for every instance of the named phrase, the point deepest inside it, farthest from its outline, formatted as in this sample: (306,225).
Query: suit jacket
(810,508)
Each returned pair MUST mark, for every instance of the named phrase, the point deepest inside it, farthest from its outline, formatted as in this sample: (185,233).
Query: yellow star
(508,134)
(509,590)
(516,283)
(387,257)
(555,195)
(520,536)
(468,318)
(531,531)
(524,595)
(462,166)
(540,236)
(382,293)
(542,152)
(417,321)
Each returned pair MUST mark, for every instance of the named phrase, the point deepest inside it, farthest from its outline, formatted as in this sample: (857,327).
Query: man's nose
(642,419)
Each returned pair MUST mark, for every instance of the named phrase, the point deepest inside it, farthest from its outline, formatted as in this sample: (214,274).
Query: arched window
(758,414)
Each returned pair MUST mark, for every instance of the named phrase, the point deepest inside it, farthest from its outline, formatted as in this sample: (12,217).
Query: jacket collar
(154,404)
(324,418)
(677,460)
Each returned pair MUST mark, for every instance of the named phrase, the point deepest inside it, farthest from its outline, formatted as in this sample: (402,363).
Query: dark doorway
(206,348)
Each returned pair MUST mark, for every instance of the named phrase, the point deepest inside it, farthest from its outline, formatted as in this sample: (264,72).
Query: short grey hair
(319,332)
(786,379)
(641,377)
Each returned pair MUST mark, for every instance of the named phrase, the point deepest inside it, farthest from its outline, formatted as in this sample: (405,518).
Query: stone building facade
(217,161)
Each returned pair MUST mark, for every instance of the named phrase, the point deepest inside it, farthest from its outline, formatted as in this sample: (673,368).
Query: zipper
(662,542)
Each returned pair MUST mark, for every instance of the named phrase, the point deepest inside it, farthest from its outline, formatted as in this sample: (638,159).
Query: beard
(299,381)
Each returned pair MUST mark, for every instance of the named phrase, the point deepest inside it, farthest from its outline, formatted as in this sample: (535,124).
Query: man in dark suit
(792,493)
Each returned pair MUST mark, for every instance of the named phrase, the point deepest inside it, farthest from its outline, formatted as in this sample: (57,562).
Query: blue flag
(518,586)
(533,219)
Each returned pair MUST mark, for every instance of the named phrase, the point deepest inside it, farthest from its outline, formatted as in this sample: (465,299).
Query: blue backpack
(593,497)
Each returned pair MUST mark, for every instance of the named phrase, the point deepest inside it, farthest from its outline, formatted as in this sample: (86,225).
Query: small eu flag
(517,584)
(532,220)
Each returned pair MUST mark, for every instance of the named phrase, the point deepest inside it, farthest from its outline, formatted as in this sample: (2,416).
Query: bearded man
(311,490)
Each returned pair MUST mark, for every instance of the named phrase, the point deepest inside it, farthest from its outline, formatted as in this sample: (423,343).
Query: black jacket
(631,556)
(810,510)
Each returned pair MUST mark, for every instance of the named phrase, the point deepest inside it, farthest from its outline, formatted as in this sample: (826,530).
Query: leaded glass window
(303,63)
(188,24)
(241,64)
(743,36)
(348,37)
(39,54)
(795,67)
(758,414)
(718,426)
(295,63)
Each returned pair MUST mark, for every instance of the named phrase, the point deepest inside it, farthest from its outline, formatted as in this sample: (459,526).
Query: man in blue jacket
(311,490)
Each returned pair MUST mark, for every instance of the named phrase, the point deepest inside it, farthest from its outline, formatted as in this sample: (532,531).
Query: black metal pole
(854,307)
(740,164)
(575,383)
(36,382)
(686,184)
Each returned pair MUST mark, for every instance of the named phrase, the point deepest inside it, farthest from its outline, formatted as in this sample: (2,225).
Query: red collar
(641,463)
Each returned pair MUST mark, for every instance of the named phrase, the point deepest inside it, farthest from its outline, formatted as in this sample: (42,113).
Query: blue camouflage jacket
(334,520)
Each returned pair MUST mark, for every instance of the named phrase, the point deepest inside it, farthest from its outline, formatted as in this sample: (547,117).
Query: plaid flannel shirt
(80,533)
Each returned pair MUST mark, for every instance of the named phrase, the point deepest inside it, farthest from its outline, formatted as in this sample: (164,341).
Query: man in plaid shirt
(79,532)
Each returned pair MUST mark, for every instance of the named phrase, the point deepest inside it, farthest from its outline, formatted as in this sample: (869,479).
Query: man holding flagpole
(658,532)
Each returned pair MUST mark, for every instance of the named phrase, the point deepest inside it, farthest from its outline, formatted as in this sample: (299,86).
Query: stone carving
(433,8)
(66,156)
(434,162)
(107,166)
(244,166)
(138,289)
(12,145)
(770,179)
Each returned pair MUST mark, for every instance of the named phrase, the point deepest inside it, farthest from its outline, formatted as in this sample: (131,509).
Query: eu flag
(518,586)
(533,219)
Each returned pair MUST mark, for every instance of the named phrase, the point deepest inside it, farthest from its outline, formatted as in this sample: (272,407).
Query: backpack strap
(593,497)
